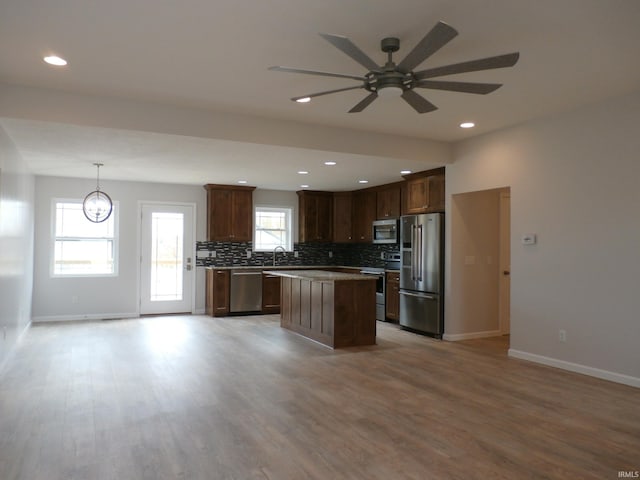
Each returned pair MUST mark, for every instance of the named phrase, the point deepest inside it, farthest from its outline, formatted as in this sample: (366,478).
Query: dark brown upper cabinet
(315,216)
(229,213)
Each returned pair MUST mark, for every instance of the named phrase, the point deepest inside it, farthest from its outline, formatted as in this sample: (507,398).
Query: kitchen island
(333,308)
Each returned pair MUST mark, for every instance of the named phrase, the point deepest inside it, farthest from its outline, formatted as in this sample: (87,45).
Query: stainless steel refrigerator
(422,273)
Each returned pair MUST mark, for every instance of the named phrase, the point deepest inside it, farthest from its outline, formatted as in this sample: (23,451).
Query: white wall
(574,182)
(16,245)
(108,297)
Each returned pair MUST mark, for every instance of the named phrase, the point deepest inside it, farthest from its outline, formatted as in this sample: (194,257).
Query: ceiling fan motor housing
(390,44)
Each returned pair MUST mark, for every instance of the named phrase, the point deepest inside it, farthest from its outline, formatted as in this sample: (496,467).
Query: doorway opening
(480,266)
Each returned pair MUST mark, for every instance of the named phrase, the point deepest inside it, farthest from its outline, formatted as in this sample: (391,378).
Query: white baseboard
(200,311)
(456,337)
(577,368)
(75,318)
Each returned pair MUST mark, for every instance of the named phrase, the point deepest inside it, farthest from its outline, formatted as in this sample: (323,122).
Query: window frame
(52,245)
(288,210)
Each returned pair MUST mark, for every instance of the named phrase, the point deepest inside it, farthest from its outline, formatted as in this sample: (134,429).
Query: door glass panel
(166,256)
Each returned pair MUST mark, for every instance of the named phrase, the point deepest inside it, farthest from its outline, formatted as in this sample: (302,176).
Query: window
(81,247)
(273,228)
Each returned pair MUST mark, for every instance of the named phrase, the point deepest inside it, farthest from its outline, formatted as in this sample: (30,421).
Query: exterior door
(504,287)
(166,258)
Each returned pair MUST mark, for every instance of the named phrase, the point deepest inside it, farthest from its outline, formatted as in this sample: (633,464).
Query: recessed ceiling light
(303,172)
(405,172)
(304,186)
(363,181)
(304,100)
(242,181)
(467,125)
(57,61)
(329,163)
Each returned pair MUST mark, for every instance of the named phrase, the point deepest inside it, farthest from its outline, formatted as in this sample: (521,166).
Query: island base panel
(336,314)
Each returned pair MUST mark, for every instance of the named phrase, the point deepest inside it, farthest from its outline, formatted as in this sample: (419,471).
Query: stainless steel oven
(380,289)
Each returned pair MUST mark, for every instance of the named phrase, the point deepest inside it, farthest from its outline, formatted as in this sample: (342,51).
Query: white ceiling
(201,55)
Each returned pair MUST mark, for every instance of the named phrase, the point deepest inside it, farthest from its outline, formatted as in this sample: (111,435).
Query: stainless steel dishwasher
(246,291)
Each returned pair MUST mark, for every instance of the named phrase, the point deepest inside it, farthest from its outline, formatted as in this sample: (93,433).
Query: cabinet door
(241,216)
(208,288)
(219,215)
(436,193)
(364,213)
(270,293)
(392,296)
(324,218)
(220,292)
(342,217)
(417,195)
(388,203)
(315,216)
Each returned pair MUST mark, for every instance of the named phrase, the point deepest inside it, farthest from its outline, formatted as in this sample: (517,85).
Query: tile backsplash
(229,254)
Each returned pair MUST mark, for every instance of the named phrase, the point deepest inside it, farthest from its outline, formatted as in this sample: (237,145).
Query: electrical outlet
(295,254)
(381,255)
(562,336)
(248,253)
(212,254)
(330,254)
(74,299)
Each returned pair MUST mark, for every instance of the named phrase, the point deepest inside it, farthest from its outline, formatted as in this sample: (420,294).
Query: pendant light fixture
(97,206)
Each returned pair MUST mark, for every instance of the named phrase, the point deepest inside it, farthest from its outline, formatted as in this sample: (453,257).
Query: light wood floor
(241,398)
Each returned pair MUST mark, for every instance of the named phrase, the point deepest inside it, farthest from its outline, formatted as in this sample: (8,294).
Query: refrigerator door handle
(413,252)
(419,247)
(428,297)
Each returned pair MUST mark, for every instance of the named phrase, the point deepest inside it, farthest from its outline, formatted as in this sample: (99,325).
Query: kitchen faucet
(274,253)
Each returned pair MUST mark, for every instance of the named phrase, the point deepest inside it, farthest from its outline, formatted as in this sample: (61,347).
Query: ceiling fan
(393,79)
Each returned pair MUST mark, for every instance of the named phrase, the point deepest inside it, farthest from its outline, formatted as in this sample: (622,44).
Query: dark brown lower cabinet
(217,288)
(339,313)
(270,293)
(392,296)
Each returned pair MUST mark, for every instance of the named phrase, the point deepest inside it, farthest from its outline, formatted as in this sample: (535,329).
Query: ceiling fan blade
(433,41)
(364,103)
(419,103)
(348,47)
(327,92)
(315,72)
(499,61)
(466,87)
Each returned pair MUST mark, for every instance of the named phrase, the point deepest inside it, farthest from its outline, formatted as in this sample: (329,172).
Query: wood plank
(239,397)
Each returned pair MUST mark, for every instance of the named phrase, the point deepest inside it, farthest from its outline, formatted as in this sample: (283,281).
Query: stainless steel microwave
(385,231)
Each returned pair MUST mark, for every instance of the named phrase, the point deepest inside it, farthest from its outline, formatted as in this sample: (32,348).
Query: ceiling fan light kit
(400,80)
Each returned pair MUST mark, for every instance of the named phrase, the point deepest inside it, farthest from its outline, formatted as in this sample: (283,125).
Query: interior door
(166,258)
(504,287)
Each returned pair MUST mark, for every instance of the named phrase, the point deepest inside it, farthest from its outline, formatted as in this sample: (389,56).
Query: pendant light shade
(97,205)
